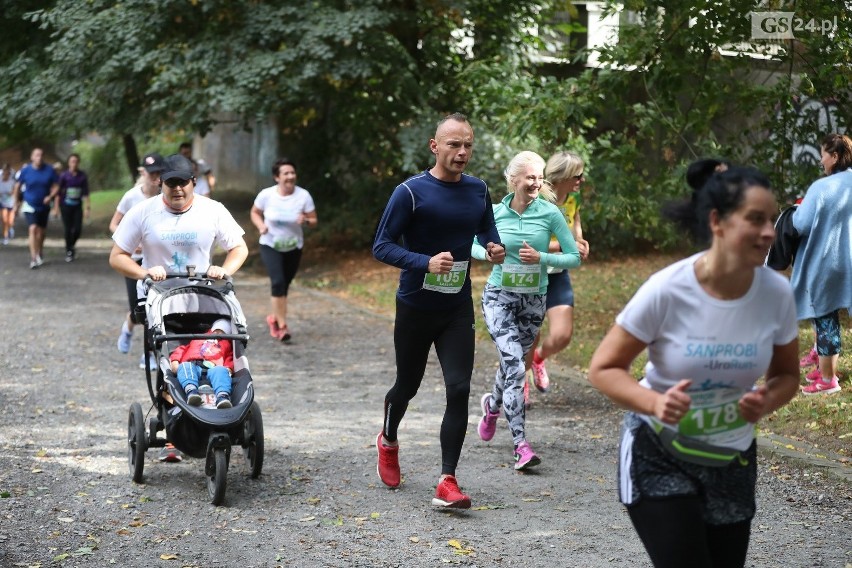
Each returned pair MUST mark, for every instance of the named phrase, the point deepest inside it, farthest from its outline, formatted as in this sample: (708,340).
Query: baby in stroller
(212,356)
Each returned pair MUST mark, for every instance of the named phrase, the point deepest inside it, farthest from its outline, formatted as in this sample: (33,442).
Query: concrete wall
(241,159)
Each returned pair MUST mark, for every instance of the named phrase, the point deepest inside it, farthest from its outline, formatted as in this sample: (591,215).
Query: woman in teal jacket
(513,302)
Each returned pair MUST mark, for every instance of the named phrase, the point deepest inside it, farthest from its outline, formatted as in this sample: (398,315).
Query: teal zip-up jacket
(540,220)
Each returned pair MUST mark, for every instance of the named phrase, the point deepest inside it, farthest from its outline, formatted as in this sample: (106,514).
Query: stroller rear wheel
(253,440)
(217,474)
(137,442)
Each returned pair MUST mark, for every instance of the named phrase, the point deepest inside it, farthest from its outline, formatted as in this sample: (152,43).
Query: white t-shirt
(175,240)
(723,346)
(280,213)
(202,186)
(131,197)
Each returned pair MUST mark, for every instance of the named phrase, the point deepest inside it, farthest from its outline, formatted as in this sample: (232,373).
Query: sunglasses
(578,177)
(176,183)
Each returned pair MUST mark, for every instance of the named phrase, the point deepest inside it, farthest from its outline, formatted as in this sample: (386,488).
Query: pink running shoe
(540,378)
(388,465)
(525,456)
(814,375)
(274,330)
(822,386)
(449,496)
(809,360)
(488,422)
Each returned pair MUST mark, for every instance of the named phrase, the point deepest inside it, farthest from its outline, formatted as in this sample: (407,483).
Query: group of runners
(35,190)
(712,324)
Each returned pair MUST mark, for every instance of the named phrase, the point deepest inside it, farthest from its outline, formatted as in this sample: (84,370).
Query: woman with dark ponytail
(712,324)
(822,273)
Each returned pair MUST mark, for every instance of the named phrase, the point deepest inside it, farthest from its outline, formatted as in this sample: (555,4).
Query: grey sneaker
(192,396)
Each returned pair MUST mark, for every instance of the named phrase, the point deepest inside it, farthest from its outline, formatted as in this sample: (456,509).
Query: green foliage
(104,164)
(356,89)
(685,80)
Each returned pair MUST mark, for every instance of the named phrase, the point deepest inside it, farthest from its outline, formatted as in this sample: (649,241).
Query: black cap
(177,167)
(153,163)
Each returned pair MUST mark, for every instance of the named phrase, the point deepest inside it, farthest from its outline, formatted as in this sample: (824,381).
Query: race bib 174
(521,278)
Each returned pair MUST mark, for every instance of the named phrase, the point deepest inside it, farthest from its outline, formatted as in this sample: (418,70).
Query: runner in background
(279,212)
(565,171)
(147,185)
(73,204)
(425,231)
(42,185)
(7,203)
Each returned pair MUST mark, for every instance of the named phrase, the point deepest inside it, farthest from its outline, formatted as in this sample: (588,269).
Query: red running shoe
(388,464)
(274,330)
(170,454)
(449,496)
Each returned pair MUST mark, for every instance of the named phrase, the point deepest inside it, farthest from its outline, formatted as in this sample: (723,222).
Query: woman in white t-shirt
(712,324)
(279,213)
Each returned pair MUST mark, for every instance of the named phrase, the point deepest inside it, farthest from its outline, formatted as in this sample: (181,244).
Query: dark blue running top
(425,216)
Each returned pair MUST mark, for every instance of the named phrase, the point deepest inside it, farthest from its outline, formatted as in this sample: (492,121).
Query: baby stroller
(177,310)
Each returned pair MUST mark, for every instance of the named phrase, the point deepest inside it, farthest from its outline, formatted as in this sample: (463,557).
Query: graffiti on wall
(814,115)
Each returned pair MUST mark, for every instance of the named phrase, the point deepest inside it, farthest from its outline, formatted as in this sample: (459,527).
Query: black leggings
(72,218)
(452,334)
(675,536)
(282,268)
(132,297)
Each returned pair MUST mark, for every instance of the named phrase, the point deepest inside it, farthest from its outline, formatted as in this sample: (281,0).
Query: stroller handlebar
(229,286)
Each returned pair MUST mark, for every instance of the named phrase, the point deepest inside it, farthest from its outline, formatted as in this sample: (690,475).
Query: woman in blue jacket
(822,273)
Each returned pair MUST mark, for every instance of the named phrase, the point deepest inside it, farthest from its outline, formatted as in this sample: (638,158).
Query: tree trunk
(131,154)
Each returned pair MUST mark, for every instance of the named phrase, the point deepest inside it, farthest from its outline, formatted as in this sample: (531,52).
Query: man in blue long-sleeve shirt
(426,231)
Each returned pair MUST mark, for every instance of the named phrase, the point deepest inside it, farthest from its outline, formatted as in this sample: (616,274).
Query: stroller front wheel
(137,442)
(217,475)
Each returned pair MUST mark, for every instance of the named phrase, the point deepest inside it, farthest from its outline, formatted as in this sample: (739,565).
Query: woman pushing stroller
(177,229)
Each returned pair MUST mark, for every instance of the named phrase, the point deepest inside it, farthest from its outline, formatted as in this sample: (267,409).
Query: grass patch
(103,205)
(602,288)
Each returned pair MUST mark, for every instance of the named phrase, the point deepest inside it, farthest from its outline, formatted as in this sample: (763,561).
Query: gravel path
(67,498)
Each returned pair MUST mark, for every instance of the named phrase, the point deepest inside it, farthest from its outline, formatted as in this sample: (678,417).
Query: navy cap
(177,167)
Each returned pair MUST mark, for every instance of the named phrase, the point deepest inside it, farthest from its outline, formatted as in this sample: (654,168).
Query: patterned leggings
(513,321)
(827,330)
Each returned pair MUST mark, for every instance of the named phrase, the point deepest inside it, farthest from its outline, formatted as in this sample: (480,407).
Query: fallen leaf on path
(169,557)
(459,547)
